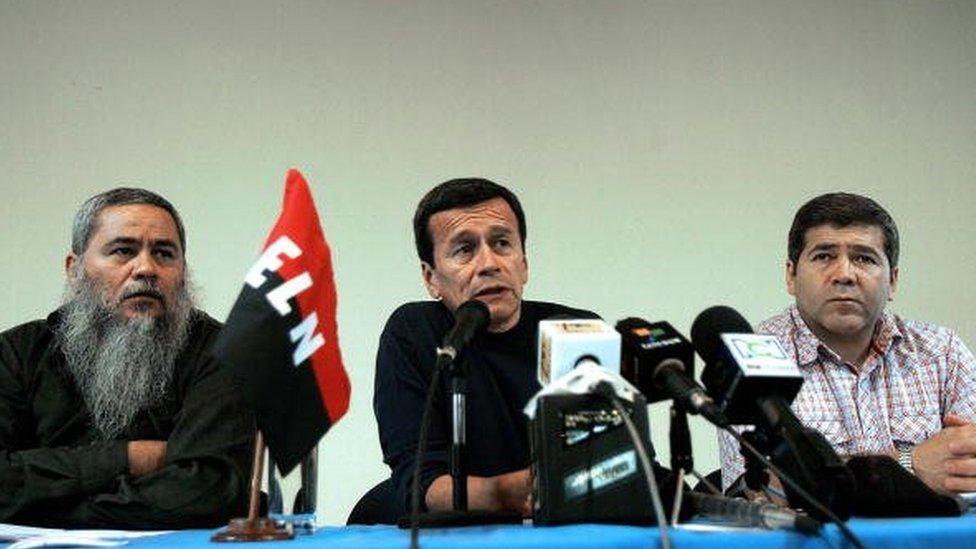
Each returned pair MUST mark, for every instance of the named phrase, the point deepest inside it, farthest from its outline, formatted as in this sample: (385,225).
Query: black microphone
(659,361)
(470,318)
(753,380)
(749,513)
(743,368)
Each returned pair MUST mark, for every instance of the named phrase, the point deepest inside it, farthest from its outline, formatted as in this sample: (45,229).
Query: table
(928,533)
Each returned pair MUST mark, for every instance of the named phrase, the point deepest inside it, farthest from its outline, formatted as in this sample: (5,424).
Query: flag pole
(256,468)
(254,527)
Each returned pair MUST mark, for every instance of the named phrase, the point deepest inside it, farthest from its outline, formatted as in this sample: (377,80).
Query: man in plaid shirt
(874,383)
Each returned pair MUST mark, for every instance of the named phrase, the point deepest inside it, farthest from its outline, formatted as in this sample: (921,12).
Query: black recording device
(585,467)
(585,463)
(886,489)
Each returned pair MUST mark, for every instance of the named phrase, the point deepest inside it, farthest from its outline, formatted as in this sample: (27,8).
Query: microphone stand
(460,515)
(756,476)
(681,460)
(457,374)
(803,454)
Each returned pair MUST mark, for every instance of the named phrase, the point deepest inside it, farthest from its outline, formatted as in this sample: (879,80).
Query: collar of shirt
(809,349)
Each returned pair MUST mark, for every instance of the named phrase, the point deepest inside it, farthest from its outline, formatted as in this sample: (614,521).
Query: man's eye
(165,254)
(124,252)
(820,256)
(865,259)
(461,250)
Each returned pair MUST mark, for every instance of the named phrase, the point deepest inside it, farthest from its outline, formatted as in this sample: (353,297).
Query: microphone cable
(421,450)
(821,508)
(606,391)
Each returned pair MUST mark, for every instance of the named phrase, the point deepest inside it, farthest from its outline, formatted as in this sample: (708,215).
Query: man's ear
(427,273)
(791,277)
(894,283)
(69,264)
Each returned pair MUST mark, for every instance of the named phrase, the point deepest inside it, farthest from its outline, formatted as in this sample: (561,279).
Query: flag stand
(253,527)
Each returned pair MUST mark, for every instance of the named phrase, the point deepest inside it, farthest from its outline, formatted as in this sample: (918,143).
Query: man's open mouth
(491,292)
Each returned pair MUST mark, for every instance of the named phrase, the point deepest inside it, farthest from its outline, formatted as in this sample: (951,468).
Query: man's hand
(514,491)
(146,456)
(505,492)
(947,460)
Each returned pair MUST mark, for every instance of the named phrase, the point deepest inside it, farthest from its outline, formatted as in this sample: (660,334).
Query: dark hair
(842,210)
(458,193)
(87,216)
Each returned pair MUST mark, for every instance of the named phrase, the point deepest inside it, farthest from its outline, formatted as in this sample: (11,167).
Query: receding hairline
(96,225)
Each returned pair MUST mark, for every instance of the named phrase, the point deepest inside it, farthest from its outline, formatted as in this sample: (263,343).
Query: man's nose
(843,272)
(145,266)
(487,260)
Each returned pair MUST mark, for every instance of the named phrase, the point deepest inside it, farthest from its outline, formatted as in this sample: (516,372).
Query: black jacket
(56,471)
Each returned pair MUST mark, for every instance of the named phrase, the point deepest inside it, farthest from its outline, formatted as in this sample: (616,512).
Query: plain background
(660,148)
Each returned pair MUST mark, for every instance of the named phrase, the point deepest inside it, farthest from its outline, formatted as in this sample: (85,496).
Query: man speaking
(470,237)
(112,412)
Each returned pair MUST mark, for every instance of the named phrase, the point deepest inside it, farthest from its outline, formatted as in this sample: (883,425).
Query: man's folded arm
(207,465)
(198,493)
(32,480)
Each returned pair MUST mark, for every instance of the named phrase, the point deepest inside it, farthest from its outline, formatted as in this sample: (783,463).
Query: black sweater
(501,379)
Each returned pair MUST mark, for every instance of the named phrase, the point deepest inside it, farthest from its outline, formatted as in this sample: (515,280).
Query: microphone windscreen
(475,312)
(710,324)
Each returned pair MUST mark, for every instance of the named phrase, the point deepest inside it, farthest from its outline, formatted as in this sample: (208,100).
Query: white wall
(660,148)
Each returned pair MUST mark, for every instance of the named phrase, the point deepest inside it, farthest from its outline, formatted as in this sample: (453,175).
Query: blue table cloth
(928,533)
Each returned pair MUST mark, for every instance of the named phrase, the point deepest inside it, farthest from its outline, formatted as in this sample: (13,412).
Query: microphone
(565,343)
(660,362)
(470,318)
(753,514)
(743,368)
(753,380)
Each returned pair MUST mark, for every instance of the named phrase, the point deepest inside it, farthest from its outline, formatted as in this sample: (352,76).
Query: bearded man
(112,411)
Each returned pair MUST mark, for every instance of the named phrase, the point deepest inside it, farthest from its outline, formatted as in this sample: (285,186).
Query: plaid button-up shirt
(915,374)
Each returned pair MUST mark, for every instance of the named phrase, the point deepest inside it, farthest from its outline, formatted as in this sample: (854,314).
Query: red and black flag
(281,339)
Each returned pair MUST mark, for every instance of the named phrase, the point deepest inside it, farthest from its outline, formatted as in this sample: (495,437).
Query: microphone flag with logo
(281,338)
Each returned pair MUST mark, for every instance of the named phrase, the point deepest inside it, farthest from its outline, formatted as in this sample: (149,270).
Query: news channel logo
(758,347)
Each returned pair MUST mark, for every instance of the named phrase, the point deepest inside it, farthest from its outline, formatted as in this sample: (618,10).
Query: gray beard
(121,365)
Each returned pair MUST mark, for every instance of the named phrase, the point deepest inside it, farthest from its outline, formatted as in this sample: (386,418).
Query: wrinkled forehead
(135,223)
(494,215)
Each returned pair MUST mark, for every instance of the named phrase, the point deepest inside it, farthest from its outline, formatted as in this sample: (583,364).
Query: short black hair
(842,210)
(458,193)
(86,218)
